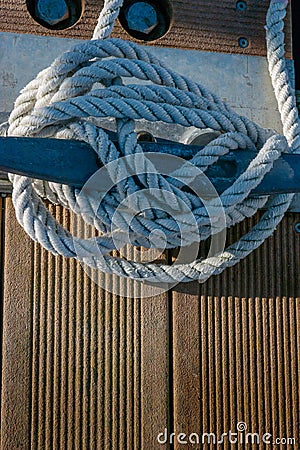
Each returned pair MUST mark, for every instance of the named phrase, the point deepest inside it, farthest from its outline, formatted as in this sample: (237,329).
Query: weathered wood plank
(237,356)
(196,24)
(77,360)
(2,221)
(155,371)
(16,337)
(93,368)
(187,361)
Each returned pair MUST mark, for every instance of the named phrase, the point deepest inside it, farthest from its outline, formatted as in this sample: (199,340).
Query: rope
(88,81)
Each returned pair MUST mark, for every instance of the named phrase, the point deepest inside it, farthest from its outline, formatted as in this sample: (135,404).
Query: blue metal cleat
(73,163)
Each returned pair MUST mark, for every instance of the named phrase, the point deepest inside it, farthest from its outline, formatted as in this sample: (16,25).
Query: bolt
(243,42)
(241,6)
(142,17)
(297,227)
(52,11)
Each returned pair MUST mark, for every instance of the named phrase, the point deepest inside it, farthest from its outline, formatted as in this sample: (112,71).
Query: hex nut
(141,17)
(52,11)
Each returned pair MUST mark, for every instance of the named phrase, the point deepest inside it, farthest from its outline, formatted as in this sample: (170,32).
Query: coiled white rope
(59,102)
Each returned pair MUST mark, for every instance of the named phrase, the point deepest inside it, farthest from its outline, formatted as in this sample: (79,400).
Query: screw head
(241,6)
(297,227)
(52,11)
(141,17)
(243,42)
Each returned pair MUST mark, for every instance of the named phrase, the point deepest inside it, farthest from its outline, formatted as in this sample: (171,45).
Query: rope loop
(143,204)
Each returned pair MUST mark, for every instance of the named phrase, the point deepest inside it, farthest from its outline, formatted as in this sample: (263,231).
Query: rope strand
(62,99)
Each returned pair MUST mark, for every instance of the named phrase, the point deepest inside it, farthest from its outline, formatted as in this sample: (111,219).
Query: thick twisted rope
(59,103)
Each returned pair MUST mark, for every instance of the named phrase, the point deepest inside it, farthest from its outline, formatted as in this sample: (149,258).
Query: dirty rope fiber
(60,102)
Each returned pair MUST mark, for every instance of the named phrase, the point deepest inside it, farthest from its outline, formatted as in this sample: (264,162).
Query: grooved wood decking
(85,369)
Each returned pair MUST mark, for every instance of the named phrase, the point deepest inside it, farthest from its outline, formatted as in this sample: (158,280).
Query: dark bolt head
(141,17)
(52,11)
(297,227)
(243,42)
(241,6)
(146,20)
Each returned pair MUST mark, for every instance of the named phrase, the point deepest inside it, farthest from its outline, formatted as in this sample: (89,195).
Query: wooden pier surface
(85,369)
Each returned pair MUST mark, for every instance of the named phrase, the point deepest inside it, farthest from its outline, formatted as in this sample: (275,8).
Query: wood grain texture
(196,24)
(77,360)
(242,366)
(236,341)
(83,368)
(16,337)
(2,221)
